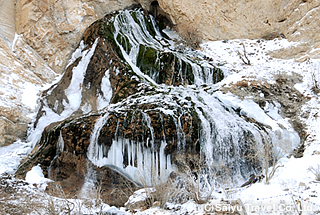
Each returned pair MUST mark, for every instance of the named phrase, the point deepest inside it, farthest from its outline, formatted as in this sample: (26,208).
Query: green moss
(147,61)
(149,26)
(134,16)
(124,41)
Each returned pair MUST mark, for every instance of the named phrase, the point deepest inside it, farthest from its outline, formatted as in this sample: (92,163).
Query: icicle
(94,150)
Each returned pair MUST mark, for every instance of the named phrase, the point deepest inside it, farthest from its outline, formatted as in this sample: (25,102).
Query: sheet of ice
(144,163)
(248,108)
(135,36)
(134,31)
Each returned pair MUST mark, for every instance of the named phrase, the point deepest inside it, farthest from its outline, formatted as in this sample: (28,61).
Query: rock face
(54,28)
(7,19)
(217,20)
(21,69)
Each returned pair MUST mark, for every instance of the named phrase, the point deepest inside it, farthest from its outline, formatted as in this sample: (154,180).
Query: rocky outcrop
(132,102)
(63,150)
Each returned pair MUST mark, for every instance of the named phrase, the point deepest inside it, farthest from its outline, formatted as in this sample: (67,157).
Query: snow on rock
(23,75)
(35,176)
(11,155)
(73,93)
(104,100)
(139,198)
(248,108)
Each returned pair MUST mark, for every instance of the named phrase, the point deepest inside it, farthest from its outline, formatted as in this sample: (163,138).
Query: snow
(140,195)
(248,108)
(11,155)
(77,53)
(35,176)
(30,95)
(104,100)
(73,92)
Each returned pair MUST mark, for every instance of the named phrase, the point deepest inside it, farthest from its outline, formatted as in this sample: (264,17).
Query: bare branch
(243,56)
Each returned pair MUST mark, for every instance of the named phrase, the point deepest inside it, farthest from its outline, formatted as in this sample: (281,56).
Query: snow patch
(35,176)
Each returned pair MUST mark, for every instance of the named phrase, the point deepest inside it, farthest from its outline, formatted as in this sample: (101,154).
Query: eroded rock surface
(21,69)
(7,19)
(54,28)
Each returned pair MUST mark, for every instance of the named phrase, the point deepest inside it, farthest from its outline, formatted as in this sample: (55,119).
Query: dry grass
(18,197)
(315,171)
(315,87)
(243,55)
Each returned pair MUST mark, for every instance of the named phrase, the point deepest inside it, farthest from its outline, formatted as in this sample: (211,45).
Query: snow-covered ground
(293,185)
